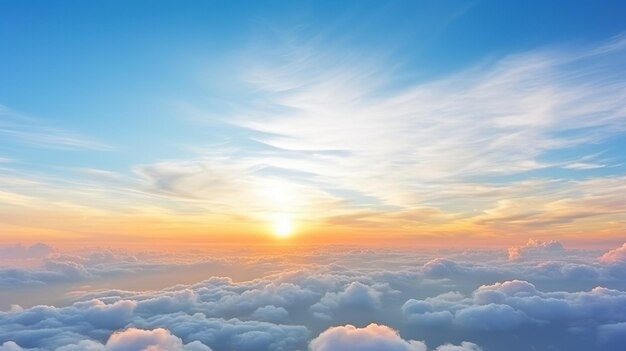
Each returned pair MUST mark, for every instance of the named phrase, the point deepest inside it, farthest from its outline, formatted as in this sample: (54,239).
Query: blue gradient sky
(106,95)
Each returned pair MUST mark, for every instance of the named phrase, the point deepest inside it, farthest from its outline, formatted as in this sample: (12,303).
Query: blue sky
(164,98)
(108,70)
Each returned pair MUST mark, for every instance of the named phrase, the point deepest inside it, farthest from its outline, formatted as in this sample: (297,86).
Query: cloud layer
(364,300)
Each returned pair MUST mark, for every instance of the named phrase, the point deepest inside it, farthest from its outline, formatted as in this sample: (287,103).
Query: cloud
(536,249)
(356,296)
(131,339)
(423,132)
(499,291)
(19,251)
(51,328)
(41,264)
(83,345)
(362,147)
(421,313)
(134,339)
(508,305)
(270,313)
(612,336)
(615,255)
(373,337)
(33,133)
(438,296)
(491,317)
(232,334)
(359,295)
(582,165)
(440,169)
(465,346)
(10,346)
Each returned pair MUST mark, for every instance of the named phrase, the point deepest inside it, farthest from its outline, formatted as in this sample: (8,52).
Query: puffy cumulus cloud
(258,294)
(83,345)
(573,270)
(72,329)
(359,295)
(441,267)
(10,346)
(490,317)
(615,255)
(232,334)
(373,337)
(498,292)
(109,316)
(534,249)
(270,313)
(50,327)
(422,313)
(600,305)
(134,339)
(184,310)
(355,296)
(511,305)
(445,268)
(131,339)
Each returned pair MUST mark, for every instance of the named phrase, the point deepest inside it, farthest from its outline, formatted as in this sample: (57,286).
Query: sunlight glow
(283,226)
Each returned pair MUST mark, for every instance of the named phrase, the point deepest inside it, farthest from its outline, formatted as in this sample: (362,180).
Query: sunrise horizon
(358,175)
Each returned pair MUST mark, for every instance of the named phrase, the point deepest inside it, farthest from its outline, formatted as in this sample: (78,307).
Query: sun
(283,226)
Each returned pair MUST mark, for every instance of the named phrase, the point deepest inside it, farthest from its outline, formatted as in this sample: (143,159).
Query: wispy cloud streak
(33,133)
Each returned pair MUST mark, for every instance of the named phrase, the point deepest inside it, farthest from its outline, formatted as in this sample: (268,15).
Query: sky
(473,122)
(312,175)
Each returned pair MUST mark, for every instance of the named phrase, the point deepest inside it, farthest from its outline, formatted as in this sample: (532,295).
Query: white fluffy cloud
(131,339)
(10,346)
(422,313)
(373,337)
(512,306)
(491,317)
(160,339)
(356,295)
(270,313)
(615,255)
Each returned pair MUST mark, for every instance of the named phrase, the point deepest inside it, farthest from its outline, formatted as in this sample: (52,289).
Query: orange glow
(283,226)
